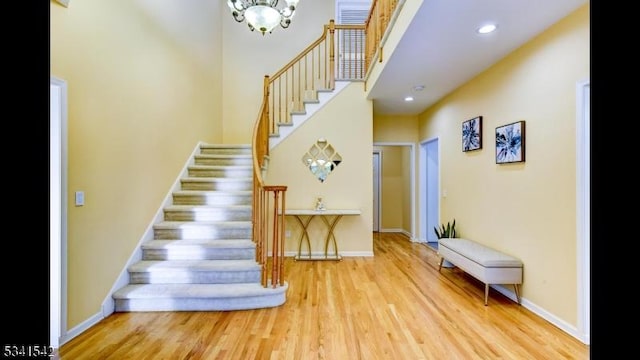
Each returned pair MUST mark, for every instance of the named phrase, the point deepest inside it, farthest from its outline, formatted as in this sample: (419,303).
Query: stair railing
(315,69)
(268,210)
(381,17)
(285,93)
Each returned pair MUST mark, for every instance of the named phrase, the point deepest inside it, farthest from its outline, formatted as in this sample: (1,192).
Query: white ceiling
(442,51)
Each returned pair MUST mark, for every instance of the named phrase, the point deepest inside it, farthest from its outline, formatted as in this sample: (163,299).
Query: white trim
(393,230)
(558,322)
(58,154)
(583,203)
(422,187)
(412,174)
(82,327)
(379,153)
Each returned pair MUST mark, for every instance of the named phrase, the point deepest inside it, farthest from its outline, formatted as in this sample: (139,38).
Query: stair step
(194,271)
(217,149)
(207,213)
(198,297)
(231,171)
(217,198)
(199,249)
(170,230)
(216,183)
(224,159)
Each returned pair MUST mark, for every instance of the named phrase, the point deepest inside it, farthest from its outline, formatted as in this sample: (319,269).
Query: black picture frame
(510,143)
(472,134)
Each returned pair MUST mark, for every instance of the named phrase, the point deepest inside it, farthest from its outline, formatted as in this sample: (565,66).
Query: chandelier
(263,15)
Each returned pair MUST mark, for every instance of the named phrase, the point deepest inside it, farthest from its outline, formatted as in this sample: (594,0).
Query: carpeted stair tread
(224,156)
(215,179)
(188,224)
(152,291)
(223,167)
(213,192)
(194,265)
(211,207)
(205,243)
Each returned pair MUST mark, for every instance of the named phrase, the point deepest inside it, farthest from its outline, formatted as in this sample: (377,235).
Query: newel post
(332,55)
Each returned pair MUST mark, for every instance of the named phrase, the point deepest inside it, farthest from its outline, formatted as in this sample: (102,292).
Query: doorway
(429,190)
(57,209)
(395,187)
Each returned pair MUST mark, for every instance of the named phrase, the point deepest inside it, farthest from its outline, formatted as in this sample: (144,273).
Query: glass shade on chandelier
(263,15)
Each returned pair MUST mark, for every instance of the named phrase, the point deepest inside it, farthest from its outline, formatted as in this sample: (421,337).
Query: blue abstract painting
(510,143)
(472,134)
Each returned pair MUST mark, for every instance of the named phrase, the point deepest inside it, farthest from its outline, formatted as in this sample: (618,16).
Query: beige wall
(391,188)
(345,122)
(526,209)
(144,86)
(249,56)
(395,128)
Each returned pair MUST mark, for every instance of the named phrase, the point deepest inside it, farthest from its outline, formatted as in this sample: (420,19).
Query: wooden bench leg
(515,286)
(486,294)
(440,265)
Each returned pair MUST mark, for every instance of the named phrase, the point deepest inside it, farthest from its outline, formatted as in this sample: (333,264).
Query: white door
(429,190)
(376,191)
(433,189)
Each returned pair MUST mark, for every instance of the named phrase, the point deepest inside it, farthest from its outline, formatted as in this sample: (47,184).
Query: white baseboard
(402,231)
(80,328)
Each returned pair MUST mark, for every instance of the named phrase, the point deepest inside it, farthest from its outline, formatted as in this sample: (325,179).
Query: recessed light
(418,87)
(485,29)
(408,98)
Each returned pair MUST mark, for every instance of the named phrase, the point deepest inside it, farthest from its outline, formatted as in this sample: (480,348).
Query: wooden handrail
(301,55)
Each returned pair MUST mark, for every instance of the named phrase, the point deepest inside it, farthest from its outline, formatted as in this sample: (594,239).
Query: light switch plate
(79,198)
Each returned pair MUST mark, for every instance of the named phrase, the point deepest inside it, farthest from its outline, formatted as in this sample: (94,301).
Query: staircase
(202,257)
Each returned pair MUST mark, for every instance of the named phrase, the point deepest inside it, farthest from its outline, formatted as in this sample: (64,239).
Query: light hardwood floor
(395,305)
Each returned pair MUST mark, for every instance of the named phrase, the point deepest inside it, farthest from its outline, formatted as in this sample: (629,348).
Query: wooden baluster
(263,237)
(282,232)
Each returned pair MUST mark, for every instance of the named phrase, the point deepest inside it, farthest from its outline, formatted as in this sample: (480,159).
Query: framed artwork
(510,143)
(472,134)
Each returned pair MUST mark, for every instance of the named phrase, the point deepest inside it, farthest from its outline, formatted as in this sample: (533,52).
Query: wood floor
(395,305)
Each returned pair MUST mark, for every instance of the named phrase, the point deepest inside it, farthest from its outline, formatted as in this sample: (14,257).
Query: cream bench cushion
(482,262)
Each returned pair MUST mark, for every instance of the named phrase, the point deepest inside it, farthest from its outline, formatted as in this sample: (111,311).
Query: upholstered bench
(482,262)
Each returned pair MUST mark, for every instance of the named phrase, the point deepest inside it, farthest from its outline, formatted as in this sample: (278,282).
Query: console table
(330,217)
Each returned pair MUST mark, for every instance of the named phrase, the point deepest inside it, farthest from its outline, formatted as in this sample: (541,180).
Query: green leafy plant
(446,232)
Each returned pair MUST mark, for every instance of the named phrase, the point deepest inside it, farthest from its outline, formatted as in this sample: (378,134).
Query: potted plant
(448,231)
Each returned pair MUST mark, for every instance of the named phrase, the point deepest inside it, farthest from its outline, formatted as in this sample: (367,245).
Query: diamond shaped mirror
(321,159)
